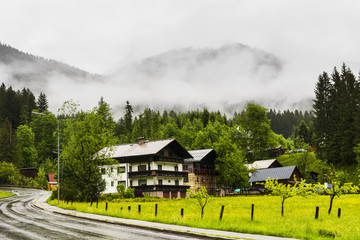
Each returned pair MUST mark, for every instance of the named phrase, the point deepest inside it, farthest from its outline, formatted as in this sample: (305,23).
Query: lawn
(298,221)
(5,194)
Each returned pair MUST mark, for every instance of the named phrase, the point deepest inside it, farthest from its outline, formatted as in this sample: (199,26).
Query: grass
(6,194)
(298,220)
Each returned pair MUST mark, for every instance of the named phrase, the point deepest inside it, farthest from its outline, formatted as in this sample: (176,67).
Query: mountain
(222,78)
(20,67)
(204,64)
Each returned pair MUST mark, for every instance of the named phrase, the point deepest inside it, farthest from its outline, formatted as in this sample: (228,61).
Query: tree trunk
(282,207)
(202,213)
(331,202)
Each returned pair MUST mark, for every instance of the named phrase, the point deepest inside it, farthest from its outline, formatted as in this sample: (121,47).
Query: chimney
(141,140)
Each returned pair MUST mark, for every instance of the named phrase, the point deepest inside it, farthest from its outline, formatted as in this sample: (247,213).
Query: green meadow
(298,221)
(4,194)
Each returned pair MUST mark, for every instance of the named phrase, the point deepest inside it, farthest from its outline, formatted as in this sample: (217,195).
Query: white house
(153,167)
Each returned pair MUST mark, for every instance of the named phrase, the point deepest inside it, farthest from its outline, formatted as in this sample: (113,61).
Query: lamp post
(58,152)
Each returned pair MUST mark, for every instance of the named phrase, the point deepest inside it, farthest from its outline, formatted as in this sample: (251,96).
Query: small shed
(285,175)
(52,183)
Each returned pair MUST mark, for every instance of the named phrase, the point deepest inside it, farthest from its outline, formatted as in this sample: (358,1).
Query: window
(112,183)
(141,168)
(186,179)
(102,170)
(197,179)
(185,167)
(176,168)
(142,183)
(130,168)
(130,183)
(111,169)
(202,179)
(176,182)
(159,167)
(159,182)
(120,170)
(169,181)
(122,182)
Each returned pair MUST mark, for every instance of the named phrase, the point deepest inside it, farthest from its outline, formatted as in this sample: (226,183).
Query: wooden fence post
(156,206)
(317,213)
(221,212)
(339,212)
(182,212)
(139,209)
(129,208)
(106,206)
(97,203)
(252,212)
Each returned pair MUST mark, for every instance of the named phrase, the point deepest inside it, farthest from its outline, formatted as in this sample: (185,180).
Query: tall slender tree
(42,103)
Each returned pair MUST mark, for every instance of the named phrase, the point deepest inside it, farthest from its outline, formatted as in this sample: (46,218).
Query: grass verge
(4,194)
(298,222)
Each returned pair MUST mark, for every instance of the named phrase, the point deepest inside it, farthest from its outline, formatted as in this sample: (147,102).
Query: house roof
(198,155)
(146,148)
(260,164)
(51,178)
(280,173)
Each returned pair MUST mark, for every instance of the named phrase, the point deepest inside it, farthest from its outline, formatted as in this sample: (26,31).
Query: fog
(170,54)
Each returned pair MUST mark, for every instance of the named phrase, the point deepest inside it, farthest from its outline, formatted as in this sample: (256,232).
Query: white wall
(112,175)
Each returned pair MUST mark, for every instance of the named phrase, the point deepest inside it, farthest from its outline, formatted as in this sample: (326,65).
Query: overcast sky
(101,36)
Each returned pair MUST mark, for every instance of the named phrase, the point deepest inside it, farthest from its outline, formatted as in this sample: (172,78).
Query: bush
(121,189)
(129,193)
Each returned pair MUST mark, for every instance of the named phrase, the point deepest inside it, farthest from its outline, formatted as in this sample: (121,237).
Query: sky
(99,36)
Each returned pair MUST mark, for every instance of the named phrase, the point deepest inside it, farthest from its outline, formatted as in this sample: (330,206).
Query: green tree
(26,143)
(337,189)
(9,174)
(286,191)
(257,127)
(336,106)
(202,199)
(45,130)
(104,111)
(8,143)
(82,156)
(128,118)
(42,103)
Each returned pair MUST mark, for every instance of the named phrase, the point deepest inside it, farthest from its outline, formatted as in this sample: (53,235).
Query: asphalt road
(20,219)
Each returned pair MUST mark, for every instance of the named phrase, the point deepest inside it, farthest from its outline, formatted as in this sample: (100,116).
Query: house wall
(199,180)
(112,177)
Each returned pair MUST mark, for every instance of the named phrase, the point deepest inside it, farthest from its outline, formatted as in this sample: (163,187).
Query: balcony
(162,173)
(172,188)
(210,172)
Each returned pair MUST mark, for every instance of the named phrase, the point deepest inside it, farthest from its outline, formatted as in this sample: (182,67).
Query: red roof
(51,178)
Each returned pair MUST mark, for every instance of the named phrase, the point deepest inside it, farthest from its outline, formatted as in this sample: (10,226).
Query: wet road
(20,219)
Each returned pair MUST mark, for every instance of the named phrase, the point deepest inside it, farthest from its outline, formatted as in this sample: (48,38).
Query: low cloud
(222,79)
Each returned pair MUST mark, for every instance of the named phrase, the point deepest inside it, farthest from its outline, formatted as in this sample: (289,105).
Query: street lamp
(58,153)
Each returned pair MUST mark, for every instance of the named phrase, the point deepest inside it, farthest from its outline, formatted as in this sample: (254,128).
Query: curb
(151,228)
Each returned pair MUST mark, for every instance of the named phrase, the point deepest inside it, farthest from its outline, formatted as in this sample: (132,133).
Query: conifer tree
(128,117)
(42,103)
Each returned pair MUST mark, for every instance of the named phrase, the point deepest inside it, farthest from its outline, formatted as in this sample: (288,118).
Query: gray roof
(135,149)
(260,164)
(280,173)
(198,155)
